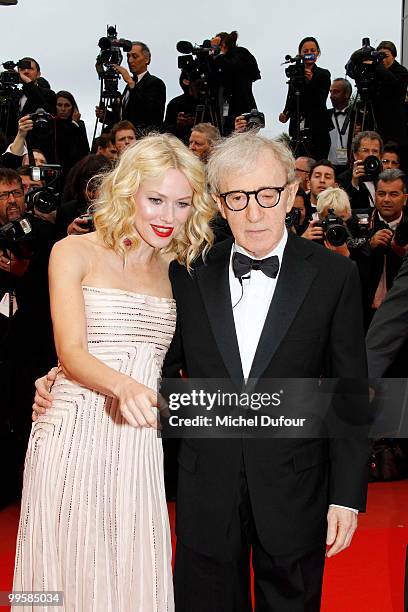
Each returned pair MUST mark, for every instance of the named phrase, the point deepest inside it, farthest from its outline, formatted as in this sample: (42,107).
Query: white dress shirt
(338,141)
(250,307)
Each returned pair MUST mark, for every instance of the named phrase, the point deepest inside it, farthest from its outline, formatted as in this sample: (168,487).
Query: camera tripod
(298,142)
(364,116)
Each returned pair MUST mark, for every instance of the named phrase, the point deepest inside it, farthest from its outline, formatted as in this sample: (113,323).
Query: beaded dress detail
(94,520)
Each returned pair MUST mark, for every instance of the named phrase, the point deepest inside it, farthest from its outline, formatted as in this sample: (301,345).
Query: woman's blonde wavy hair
(115,212)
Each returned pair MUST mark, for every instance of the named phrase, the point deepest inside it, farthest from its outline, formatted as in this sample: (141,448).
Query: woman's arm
(68,267)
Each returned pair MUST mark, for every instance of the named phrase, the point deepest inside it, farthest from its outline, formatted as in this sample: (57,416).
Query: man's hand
(283,117)
(125,74)
(240,124)
(313,232)
(43,397)
(10,263)
(400,250)
(382,238)
(358,173)
(78,226)
(99,113)
(341,525)
(24,78)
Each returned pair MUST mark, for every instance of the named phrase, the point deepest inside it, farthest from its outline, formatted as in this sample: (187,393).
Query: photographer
(144,98)
(181,111)
(391,156)
(35,93)
(389,99)
(340,144)
(236,69)
(359,181)
(26,344)
(104,145)
(313,84)
(72,141)
(389,233)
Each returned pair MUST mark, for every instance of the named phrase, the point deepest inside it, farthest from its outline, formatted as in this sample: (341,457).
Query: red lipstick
(162,231)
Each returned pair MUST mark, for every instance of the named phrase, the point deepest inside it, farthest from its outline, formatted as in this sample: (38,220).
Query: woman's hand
(137,403)
(43,397)
(76,116)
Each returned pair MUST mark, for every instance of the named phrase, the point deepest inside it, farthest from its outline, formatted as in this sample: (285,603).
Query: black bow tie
(242,265)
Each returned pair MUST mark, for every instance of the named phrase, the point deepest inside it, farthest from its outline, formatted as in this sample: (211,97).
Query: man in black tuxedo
(144,98)
(282,499)
(360,189)
(340,144)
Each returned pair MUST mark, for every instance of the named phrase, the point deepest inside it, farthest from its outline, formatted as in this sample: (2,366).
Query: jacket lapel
(295,277)
(213,282)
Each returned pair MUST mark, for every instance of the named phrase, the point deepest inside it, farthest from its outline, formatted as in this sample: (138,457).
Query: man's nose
(253,211)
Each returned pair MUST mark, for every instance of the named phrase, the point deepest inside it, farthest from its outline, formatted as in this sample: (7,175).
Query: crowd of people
(178,184)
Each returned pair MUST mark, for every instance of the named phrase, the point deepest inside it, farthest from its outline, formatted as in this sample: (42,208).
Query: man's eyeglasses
(390,162)
(267,197)
(16,193)
(301,170)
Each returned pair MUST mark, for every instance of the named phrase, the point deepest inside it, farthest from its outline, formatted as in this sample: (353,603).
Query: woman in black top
(313,87)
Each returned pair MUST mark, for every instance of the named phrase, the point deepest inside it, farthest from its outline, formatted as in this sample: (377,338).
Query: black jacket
(290,482)
(389,102)
(312,103)
(236,71)
(146,103)
(359,198)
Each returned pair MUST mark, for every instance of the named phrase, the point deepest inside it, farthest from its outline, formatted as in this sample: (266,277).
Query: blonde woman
(94,520)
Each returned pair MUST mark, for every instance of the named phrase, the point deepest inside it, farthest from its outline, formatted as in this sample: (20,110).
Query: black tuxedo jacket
(146,103)
(313,327)
(387,337)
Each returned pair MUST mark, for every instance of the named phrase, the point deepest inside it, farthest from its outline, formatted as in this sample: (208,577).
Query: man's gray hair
(394,174)
(346,85)
(355,145)
(211,132)
(145,49)
(240,153)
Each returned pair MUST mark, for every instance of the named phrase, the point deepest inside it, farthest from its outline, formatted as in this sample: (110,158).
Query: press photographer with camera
(305,105)
(359,180)
(236,69)
(72,140)
(389,99)
(26,343)
(144,97)
(391,158)
(181,111)
(389,233)
(35,93)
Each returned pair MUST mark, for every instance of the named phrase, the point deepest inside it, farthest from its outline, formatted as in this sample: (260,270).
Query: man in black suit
(387,337)
(144,98)
(283,499)
(360,189)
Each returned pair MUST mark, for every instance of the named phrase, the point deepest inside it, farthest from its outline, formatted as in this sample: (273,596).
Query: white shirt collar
(277,250)
(391,224)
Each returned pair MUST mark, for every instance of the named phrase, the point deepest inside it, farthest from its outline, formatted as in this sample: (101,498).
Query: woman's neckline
(128,292)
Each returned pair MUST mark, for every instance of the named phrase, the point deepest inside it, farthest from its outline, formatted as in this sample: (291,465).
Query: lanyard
(338,129)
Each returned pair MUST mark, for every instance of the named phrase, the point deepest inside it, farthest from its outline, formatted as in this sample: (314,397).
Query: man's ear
(292,190)
(219,204)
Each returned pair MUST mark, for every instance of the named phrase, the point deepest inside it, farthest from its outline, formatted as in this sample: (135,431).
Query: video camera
(196,63)
(45,198)
(10,77)
(110,56)
(296,73)
(362,73)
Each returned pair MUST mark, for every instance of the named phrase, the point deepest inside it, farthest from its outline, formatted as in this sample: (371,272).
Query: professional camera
(196,61)
(89,225)
(364,74)
(110,56)
(296,73)
(359,228)
(335,230)
(292,218)
(10,77)
(45,199)
(372,168)
(255,119)
(40,118)
(17,237)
